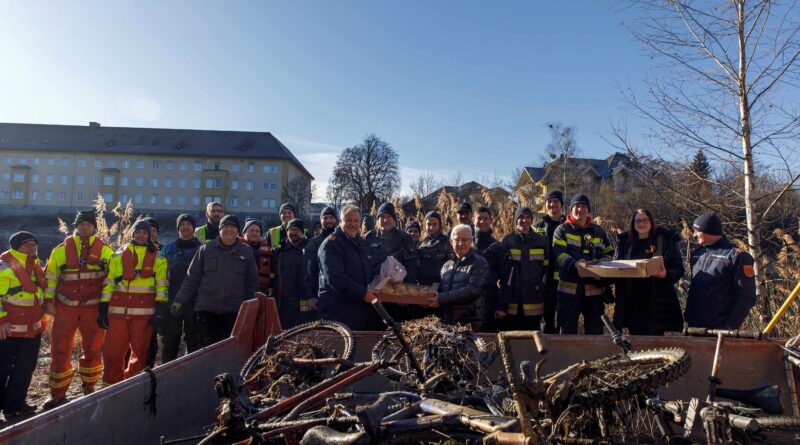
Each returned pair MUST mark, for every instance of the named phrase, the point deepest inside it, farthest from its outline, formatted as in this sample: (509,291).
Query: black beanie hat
(329,211)
(20,238)
(580,198)
(297,222)
(464,207)
(413,225)
(434,214)
(285,206)
(387,207)
(229,220)
(316,224)
(522,211)
(708,223)
(555,194)
(86,216)
(141,224)
(250,221)
(186,217)
(153,223)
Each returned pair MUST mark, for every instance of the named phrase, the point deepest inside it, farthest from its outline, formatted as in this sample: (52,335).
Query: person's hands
(312,303)
(50,308)
(102,319)
(579,264)
(432,301)
(500,314)
(259,294)
(661,273)
(5,328)
(175,309)
(369,296)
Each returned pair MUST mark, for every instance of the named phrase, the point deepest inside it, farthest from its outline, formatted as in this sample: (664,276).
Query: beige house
(47,168)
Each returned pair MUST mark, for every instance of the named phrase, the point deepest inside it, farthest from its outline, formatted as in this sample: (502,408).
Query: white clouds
(139,106)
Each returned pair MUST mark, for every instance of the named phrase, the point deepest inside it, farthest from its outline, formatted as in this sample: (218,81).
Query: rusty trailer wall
(186,402)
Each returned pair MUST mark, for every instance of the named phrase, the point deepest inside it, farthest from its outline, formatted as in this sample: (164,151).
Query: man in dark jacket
(413,230)
(277,234)
(433,251)
(521,302)
(179,255)
(221,276)
(393,242)
(289,289)
(579,240)
(554,217)
(347,265)
(329,220)
(460,292)
(495,254)
(262,253)
(723,287)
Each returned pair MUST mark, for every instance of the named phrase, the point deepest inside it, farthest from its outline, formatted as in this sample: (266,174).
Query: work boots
(54,402)
(88,388)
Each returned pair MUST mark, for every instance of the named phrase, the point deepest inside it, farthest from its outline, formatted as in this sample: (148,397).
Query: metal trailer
(184,403)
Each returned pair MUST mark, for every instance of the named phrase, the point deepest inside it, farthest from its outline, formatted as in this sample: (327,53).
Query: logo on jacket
(748,271)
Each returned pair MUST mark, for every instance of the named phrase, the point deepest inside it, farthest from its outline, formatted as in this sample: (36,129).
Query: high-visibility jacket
(203,234)
(572,243)
(22,285)
(263,256)
(277,234)
(522,286)
(75,276)
(137,280)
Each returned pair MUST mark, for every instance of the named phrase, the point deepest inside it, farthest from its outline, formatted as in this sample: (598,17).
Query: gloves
(175,309)
(102,319)
(155,319)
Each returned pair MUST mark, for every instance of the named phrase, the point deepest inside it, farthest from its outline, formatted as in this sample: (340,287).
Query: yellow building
(46,168)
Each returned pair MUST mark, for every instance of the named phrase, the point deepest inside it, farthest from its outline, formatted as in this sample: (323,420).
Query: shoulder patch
(332,237)
(747,269)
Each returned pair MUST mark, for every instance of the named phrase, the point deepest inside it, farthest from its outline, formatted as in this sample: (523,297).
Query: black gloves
(102,319)
(160,315)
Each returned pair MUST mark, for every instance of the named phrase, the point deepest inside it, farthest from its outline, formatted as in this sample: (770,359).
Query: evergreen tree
(700,165)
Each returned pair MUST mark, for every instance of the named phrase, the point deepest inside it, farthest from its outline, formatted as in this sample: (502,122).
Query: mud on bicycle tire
(676,363)
(787,424)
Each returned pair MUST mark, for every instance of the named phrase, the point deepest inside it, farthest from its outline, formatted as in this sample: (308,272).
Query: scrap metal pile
(297,388)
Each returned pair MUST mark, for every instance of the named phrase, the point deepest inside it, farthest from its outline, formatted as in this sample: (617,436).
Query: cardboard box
(621,268)
(420,295)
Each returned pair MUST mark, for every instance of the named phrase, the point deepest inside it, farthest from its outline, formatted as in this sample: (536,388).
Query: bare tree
(367,173)
(724,64)
(424,185)
(299,191)
(561,148)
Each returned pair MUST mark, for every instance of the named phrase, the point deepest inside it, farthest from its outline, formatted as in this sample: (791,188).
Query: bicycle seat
(323,435)
(767,397)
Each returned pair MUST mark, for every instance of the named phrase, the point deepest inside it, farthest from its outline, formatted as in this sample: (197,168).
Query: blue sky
(452,85)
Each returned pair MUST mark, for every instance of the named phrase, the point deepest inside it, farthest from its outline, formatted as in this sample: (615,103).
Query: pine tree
(700,165)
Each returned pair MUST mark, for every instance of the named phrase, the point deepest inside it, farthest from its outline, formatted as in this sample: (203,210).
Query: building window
(198,166)
(139,164)
(50,179)
(249,185)
(80,180)
(62,196)
(78,196)
(154,182)
(184,165)
(137,197)
(17,194)
(6,177)
(51,162)
(196,184)
(167,200)
(218,166)
(36,160)
(182,200)
(209,183)
(34,195)
(248,202)
(195,200)
(139,181)
(270,168)
(98,163)
(48,196)
(209,199)
(251,167)
(123,180)
(8,160)
(65,162)
(268,203)
(168,183)
(181,183)
(96,180)
(81,163)
(108,180)
(126,164)
(19,177)
(108,197)
(270,186)
(234,202)
(235,167)
(155,167)
(123,198)
(64,179)
(234,184)
(111,163)
(153,199)
(168,165)
(34,178)
(23,160)
(4,195)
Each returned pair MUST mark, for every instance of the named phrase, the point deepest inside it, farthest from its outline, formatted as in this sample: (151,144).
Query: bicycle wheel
(438,348)
(622,376)
(272,371)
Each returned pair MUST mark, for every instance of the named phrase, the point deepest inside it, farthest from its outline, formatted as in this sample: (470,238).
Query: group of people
(192,288)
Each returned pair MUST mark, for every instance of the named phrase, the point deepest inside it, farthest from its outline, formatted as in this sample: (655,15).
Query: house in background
(571,175)
(472,192)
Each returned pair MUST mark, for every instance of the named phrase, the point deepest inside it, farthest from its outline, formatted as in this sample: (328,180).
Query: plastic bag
(391,270)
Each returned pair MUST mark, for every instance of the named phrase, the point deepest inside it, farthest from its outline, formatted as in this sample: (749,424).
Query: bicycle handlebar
(734,333)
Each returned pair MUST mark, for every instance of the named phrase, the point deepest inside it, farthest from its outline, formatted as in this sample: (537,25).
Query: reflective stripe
(27,302)
(162,283)
(608,249)
(97,368)
(51,277)
(560,259)
(585,251)
(105,296)
(527,309)
(61,375)
(304,307)
(24,327)
(516,254)
(597,240)
(76,276)
(136,289)
(60,383)
(91,379)
(573,240)
(74,303)
(567,287)
(131,310)
(547,262)
(559,242)
(556,276)
(536,254)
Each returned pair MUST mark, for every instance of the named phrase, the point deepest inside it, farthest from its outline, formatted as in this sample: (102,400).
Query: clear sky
(452,85)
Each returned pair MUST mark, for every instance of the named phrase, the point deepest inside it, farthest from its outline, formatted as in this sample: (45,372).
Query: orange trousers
(69,319)
(125,333)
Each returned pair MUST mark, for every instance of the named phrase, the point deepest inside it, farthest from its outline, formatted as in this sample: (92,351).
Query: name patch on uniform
(748,270)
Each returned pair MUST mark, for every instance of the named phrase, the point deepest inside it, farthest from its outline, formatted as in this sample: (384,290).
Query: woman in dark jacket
(649,306)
